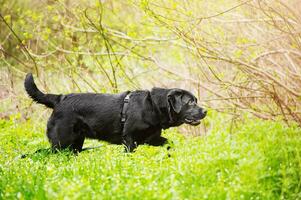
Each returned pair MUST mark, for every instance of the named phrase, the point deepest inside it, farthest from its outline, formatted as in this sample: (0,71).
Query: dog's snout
(202,112)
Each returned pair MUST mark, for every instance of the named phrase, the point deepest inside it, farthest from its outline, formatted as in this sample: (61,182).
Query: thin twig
(21,43)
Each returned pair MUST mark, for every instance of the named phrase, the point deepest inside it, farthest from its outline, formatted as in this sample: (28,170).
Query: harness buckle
(126,101)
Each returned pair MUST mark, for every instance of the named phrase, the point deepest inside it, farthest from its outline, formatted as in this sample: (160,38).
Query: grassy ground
(258,160)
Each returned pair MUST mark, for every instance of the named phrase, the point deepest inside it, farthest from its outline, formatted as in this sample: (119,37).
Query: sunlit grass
(258,160)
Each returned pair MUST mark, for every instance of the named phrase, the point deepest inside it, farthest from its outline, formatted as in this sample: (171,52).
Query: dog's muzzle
(196,119)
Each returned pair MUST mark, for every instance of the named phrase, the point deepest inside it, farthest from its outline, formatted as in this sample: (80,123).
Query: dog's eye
(191,102)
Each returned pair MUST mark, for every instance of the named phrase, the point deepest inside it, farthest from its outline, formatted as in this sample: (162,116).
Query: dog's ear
(174,98)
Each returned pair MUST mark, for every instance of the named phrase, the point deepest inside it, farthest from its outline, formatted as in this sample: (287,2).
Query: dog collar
(126,101)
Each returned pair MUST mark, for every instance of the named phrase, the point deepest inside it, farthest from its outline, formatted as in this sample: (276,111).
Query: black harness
(126,101)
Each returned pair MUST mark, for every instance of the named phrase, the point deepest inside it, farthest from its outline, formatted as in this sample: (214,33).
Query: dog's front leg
(156,139)
(128,141)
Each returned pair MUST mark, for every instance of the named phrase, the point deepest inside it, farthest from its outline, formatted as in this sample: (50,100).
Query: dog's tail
(49,100)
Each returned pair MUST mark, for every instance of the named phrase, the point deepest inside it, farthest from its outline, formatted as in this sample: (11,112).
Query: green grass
(258,160)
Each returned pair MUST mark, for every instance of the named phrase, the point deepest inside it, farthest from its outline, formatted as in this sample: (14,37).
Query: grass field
(257,160)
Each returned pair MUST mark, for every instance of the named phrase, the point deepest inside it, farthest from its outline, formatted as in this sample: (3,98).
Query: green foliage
(111,46)
(259,160)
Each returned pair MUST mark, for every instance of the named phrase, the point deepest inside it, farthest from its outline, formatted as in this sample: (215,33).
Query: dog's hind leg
(81,129)
(66,133)
(77,144)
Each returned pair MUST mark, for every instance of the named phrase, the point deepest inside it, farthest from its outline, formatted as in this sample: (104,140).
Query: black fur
(88,115)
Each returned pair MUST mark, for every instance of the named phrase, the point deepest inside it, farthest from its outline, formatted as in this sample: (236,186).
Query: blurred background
(237,57)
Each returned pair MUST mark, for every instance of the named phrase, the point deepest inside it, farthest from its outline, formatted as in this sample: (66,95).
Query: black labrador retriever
(129,118)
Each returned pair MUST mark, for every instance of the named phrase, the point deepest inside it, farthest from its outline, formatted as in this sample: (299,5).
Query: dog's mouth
(193,122)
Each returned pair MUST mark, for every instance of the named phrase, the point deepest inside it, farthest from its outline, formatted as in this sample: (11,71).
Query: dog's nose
(202,112)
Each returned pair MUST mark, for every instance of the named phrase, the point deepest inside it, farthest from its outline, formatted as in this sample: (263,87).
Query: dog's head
(182,106)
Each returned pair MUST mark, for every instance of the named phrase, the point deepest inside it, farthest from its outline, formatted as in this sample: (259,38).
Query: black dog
(130,118)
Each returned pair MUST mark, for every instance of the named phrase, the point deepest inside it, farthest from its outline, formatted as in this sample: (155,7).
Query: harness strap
(126,101)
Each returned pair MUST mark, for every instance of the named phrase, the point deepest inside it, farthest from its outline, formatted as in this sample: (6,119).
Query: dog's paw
(130,148)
